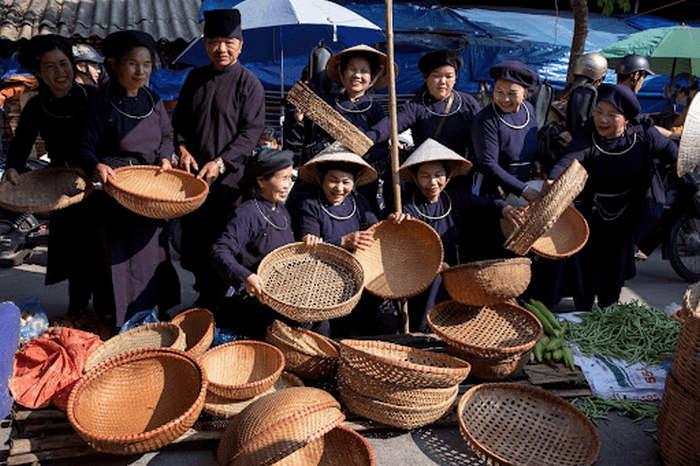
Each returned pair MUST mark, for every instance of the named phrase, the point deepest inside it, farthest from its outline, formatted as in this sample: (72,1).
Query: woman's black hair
(30,52)
(371,58)
(347,167)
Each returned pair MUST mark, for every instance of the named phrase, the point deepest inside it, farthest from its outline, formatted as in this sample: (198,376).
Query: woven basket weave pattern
(306,353)
(198,327)
(340,446)
(45,190)
(686,360)
(513,424)
(679,442)
(327,118)
(487,282)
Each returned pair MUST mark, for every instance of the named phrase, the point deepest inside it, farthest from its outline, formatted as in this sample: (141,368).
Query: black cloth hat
(268,161)
(517,72)
(118,43)
(30,52)
(223,23)
(438,58)
(621,97)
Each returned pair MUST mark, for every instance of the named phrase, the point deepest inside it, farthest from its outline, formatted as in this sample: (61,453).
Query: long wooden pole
(394,132)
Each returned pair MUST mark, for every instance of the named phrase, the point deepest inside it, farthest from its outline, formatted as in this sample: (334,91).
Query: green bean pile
(631,332)
(595,407)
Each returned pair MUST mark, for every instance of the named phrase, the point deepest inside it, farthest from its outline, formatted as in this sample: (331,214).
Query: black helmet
(83,52)
(632,63)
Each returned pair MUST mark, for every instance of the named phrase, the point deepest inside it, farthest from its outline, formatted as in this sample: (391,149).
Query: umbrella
(670,50)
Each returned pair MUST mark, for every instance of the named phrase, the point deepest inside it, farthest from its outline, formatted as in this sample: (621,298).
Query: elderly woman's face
(56,71)
(608,120)
(337,185)
(440,81)
(508,95)
(431,179)
(275,188)
(134,69)
(357,76)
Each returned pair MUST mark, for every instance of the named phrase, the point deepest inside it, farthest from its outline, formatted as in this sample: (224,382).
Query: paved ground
(623,441)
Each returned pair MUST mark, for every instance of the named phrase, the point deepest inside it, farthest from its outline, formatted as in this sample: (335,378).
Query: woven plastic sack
(9,337)
(140,318)
(46,369)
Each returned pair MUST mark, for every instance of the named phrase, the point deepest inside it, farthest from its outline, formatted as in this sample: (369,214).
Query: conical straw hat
(433,151)
(689,148)
(337,152)
(333,66)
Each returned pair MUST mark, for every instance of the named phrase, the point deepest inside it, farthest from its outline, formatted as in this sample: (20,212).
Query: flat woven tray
(403,260)
(487,282)
(306,353)
(679,442)
(517,425)
(45,190)
(327,118)
(545,211)
(145,191)
(310,284)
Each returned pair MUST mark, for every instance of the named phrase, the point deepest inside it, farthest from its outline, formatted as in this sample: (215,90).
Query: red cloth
(46,369)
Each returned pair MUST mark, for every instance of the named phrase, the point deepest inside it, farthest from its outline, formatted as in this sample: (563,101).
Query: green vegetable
(547,314)
(595,407)
(538,350)
(557,354)
(555,343)
(546,325)
(548,355)
(569,358)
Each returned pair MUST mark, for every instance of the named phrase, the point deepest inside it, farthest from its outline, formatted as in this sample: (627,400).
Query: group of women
(125,123)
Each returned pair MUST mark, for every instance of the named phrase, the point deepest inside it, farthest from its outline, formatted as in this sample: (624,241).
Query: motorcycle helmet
(632,63)
(591,65)
(83,52)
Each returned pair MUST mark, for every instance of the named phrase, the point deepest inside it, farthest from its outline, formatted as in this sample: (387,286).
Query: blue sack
(9,339)
(140,318)
(38,322)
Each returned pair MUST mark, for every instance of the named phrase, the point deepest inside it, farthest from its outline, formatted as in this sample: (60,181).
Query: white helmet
(592,65)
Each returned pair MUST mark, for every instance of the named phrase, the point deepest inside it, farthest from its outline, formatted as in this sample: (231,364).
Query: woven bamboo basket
(403,417)
(241,370)
(496,340)
(45,190)
(327,118)
(143,189)
(545,211)
(340,446)
(403,260)
(487,282)
(306,353)
(310,284)
(391,393)
(691,301)
(138,401)
(517,425)
(403,365)
(158,334)
(678,425)
(276,425)
(226,408)
(686,360)
(198,327)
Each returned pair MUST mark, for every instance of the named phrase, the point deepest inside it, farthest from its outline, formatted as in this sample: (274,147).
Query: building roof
(163,19)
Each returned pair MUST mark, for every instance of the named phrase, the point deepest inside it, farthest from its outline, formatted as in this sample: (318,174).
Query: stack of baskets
(677,423)
(306,353)
(397,385)
(480,325)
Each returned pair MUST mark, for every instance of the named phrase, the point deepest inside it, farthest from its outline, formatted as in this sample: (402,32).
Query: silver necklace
(511,125)
(352,110)
(459,105)
(449,208)
(634,141)
(43,105)
(336,217)
(276,227)
(136,117)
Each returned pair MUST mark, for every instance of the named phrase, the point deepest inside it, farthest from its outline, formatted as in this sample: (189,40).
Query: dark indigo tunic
(504,155)
(419,114)
(137,268)
(612,202)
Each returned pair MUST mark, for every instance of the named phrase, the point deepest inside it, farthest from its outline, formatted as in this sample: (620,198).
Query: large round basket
(226,408)
(138,401)
(241,370)
(487,282)
(310,284)
(143,189)
(517,425)
(496,340)
(45,190)
(198,327)
(158,334)
(403,365)
(686,360)
(403,260)
(566,237)
(306,353)
(340,446)
(677,424)
(276,425)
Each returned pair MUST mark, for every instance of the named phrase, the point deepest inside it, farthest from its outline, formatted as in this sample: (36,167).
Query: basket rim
(253,343)
(478,265)
(125,358)
(521,387)
(510,350)
(177,171)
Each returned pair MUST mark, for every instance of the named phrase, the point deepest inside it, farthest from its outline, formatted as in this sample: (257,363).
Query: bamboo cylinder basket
(310,284)
(677,423)
(306,353)
(45,190)
(517,425)
(143,189)
(487,282)
(138,401)
(496,340)
(198,326)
